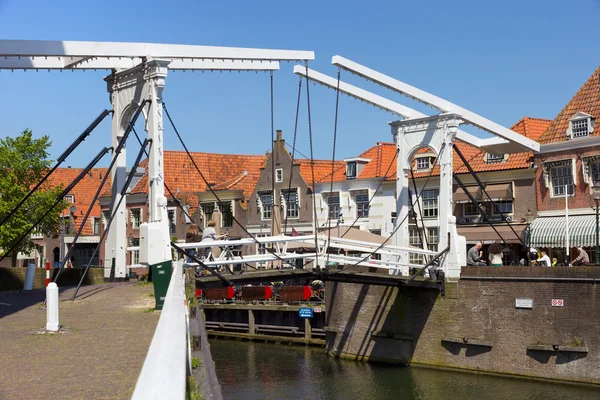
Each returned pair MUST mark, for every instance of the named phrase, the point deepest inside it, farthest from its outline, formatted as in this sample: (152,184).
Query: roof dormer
(354,166)
(580,125)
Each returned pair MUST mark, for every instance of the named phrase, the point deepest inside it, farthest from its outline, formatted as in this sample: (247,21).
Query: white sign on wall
(558,302)
(523,303)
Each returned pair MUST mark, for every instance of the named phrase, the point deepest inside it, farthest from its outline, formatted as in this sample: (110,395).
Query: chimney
(279,135)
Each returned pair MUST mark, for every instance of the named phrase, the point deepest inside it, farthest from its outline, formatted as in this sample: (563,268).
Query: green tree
(23,163)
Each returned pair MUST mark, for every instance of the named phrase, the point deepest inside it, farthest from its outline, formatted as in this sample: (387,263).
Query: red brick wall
(387,324)
(582,197)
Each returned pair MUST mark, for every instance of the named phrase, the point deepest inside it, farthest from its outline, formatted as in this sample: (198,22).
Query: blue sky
(503,60)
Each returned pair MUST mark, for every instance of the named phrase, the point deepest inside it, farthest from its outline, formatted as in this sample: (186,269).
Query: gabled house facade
(568,167)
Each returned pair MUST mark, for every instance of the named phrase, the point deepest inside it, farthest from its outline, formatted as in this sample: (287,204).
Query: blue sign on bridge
(305,312)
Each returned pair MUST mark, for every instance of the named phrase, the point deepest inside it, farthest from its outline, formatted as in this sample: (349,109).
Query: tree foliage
(23,163)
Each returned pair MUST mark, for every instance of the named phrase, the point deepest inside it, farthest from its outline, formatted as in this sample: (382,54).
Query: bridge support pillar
(128,89)
(438,133)
(251,324)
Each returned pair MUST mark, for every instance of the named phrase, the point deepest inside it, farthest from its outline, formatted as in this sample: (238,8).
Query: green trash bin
(161,277)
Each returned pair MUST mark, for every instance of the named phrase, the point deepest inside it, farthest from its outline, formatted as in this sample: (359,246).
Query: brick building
(568,166)
(231,177)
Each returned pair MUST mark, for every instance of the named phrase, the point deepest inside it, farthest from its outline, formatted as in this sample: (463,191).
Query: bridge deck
(350,275)
(100,354)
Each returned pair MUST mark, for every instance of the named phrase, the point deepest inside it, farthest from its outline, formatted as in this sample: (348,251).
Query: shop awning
(460,196)
(551,231)
(486,234)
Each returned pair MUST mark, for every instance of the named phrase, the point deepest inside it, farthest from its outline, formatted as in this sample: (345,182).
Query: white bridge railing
(284,248)
(164,372)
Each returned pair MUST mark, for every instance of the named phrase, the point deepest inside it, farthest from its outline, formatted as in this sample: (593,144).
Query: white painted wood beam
(436,102)
(103,63)
(155,50)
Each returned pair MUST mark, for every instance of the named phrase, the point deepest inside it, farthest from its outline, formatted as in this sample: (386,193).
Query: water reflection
(249,371)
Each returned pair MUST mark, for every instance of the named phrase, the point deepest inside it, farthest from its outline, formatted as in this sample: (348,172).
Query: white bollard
(52,307)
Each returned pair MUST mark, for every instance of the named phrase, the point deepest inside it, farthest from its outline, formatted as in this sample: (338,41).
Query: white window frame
(288,209)
(204,214)
(577,122)
(135,254)
(174,209)
(494,158)
(334,215)
(70,198)
(97,220)
(266,207)
(561,188)
(595,166)
(421,161)
(433,238)
(351,170)
(232,208)
(425,204)
(278,175)
(136,222)
(414,240)
(358,203)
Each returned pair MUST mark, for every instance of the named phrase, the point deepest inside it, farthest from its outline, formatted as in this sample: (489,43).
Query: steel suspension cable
(374,193)
(312,170)
(59,198)
(113,214)
(335,124)
(293,153)
(298,151)
(212,191)
(59,161)
(177,201)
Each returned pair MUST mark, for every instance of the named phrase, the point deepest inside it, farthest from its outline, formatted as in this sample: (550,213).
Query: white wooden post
(52,323)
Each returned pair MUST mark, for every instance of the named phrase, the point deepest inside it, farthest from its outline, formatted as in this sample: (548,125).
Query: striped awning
(551,231)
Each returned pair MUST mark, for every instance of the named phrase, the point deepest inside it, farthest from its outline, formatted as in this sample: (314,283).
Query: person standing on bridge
(474,256)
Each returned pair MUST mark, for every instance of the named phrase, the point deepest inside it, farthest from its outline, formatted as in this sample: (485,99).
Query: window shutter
(574,170)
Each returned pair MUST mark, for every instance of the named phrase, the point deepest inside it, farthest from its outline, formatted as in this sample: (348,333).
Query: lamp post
(529,217)
(596,195)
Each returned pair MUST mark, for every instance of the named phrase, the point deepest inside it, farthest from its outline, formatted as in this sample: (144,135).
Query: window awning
(486,234)
(496,191)
(551,231)
(460,196)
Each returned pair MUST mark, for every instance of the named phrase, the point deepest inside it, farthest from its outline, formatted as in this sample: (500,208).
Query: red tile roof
(322,170)
(83,192)
(586,100)
(225,171)
(383,159)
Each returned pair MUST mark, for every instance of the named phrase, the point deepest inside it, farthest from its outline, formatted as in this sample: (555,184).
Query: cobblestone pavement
(99,354)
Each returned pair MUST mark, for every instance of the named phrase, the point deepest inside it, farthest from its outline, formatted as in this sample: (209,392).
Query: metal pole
(567,223)
(62,237)
(597,236)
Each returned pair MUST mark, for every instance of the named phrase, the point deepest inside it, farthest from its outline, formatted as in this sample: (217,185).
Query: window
(351,170)
(70,198)
(562,179)
(227,214)
(279,175)
(595,174)
(423,163)
(134,254)
(136,217)
(172,220)
(503,207)
(470,209)
(430,203)
(494,158)
(580,127)
(291,202)
(333,204)
(433,238)
(266,199)
(96,225)
(207,210)
(362,205)
(414,239)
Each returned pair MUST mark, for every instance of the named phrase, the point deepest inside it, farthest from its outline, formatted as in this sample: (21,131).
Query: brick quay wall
(494,319)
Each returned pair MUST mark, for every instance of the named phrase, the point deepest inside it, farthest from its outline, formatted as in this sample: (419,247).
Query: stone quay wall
(494,319)
(13,278)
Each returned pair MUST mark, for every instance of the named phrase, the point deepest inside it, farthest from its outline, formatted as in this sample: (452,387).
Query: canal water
(259,371)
